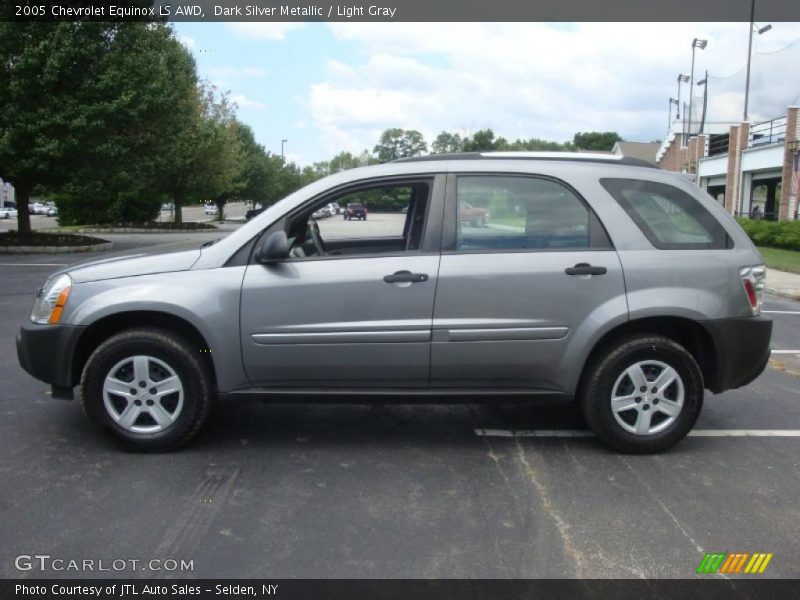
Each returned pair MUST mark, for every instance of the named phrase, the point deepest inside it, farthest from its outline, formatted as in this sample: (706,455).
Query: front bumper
(742,350)
(47,353)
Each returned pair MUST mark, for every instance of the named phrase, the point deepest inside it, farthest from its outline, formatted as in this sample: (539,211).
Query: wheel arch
(105,327)
(689,333)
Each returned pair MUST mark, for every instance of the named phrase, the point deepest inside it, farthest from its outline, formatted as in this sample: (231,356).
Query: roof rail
(594,157)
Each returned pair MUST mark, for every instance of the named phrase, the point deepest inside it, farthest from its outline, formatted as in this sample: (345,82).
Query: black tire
(183,358)
(601,376)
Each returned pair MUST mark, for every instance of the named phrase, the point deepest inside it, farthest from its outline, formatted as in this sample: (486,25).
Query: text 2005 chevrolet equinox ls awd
(608,282)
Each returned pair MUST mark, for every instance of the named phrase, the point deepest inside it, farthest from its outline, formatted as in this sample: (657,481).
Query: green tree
(447,142)
(201,160)
(86,106)
(482,141)
(254,174)
(399,143)
(596,140)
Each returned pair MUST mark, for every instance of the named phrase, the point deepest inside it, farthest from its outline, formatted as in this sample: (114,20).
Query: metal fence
(768,132)
(718,144)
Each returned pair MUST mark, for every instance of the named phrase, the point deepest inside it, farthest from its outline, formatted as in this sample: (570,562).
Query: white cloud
(244,102)
(521,79)
(264,30)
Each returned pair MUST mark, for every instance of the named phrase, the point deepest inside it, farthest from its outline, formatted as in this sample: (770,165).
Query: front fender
(208,300)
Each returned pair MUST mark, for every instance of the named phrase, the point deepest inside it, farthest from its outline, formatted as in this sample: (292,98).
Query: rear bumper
(47,352)
(742,350)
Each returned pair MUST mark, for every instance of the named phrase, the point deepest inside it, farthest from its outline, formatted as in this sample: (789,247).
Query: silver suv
(598,279)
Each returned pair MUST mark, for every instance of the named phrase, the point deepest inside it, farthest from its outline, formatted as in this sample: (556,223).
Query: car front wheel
(147,388)
(643,394)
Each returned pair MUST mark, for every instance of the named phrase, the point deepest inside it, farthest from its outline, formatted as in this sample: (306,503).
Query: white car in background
(210,209)
(37,208)
(8,212)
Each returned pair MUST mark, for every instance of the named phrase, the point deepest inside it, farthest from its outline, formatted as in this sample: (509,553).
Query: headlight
(51,299)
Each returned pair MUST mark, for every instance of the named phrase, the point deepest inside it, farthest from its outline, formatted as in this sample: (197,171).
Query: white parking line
(782,312)
(784,351)
(576,433)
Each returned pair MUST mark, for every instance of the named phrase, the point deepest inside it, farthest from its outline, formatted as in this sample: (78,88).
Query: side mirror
(273,248)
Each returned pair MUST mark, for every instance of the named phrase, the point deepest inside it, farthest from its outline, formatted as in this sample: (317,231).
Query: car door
(521,289)
(358,317)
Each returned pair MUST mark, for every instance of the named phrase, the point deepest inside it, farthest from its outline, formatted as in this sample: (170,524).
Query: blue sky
(328,87)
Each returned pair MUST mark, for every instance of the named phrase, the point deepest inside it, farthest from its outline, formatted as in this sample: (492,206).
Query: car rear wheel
(643,394)
(147,388)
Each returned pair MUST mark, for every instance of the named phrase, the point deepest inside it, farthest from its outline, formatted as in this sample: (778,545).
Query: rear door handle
(405,277)
(585,269)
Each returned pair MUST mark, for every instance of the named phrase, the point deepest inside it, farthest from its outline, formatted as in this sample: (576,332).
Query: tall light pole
(282,143)
(704,83)
(681,79)
(759,30)
(696,43)
(669,118)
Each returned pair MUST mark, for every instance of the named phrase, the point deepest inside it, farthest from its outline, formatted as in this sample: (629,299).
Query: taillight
(754,282)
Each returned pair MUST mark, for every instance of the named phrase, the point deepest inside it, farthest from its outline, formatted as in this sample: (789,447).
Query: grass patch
(780,259)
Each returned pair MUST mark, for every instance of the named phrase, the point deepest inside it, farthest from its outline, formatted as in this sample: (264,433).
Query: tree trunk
(178,215)
(22,196)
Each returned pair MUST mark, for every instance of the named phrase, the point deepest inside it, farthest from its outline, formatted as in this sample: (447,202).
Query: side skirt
(399,395)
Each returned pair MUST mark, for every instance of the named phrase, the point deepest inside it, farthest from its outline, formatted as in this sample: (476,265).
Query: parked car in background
(472,215)
(612,284)
(355,210)
(52,209)
(37,208)
(8,212)
(210,209)
(335,208)
(324,212)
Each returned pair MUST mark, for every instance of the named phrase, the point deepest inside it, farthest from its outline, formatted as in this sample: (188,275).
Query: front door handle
(585,269)
(406,277)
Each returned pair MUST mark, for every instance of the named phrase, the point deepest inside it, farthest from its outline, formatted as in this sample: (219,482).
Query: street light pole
(681,79)
(669,118)
(749,55)
(696,43)
(704,83)
(759,31)
(282,143)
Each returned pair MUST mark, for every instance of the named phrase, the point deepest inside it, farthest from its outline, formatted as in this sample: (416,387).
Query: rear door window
(507,213)
(670,218)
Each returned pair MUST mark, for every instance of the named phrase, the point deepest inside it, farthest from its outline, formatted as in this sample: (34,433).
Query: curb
(55,249)
(143,230)
(790,294)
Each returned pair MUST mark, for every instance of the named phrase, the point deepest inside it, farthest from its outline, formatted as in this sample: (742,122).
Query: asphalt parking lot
(403,491)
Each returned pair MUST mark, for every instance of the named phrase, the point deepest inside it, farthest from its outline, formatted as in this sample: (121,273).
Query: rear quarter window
(670,218)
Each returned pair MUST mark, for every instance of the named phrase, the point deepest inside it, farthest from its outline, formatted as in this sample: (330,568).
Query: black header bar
(403,10)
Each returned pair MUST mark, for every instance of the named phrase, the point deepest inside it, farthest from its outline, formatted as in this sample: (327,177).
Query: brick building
(751,168)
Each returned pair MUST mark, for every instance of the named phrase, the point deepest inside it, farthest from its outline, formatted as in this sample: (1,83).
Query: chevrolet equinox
(598,279)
